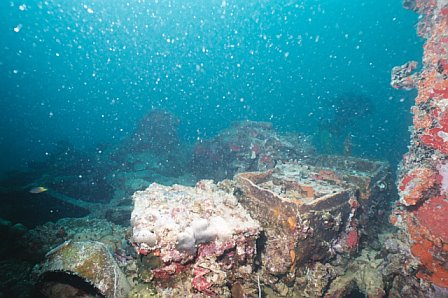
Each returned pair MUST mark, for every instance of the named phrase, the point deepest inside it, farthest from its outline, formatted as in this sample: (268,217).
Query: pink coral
(352,239)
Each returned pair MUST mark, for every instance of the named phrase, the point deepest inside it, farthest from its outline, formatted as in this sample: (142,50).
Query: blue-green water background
(87,71)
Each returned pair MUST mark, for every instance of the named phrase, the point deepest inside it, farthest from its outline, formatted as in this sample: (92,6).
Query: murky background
(86,72)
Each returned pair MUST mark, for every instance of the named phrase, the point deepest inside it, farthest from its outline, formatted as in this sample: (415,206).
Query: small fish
(38,189)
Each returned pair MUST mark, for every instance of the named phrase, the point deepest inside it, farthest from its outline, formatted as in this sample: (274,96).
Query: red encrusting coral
(427,229)
(416,183)
(352,239)
(423,209)
(437,137)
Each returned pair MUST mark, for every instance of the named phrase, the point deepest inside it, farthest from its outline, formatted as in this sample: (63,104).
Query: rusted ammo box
(372,180)
(309,212)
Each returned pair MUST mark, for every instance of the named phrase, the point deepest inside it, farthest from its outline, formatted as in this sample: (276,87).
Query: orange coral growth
(426,221)
(393,219)
(308,190)
(328,175)
(433,215)
(421,119)
(416,183)
(427,229)
(433,270)
(292,255)
(276,211)
(425,89)
(438,137)
(292,222)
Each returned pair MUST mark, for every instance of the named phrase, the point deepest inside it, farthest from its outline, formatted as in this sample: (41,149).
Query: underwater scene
(224,148)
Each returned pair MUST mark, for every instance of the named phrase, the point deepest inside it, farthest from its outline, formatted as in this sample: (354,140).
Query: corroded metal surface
(81,268)
(310,213)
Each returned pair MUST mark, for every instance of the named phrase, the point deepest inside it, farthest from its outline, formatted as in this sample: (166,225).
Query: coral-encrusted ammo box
(311,212)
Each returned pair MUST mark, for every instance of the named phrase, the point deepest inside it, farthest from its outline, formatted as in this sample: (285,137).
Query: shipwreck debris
(422,212)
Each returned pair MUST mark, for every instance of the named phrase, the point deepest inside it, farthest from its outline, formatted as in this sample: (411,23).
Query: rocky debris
(398,268)
(301,227)
(314,279)
(153,147)
(75,269)
(200,231)
(26,248)
(422,212)
(360,274)
(301,223)
(404,77)
(15,279)
(38,241)
(156,132)
(206,239)
(247,146)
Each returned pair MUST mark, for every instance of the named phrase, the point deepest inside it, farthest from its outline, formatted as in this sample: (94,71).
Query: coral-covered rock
(202,229)
(403,76)
(422,212)
(416,185)
(427,229)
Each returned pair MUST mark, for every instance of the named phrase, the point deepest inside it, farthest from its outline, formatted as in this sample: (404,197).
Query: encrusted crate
(310,212)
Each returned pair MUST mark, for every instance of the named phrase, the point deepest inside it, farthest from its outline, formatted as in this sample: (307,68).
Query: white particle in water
(18,28)
(22,7)
(89,10)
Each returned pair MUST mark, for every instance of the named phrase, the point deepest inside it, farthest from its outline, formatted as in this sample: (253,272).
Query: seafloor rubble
(247,146)
(301,226)
(422,212)
(285,232)
(298,230)
(308,225)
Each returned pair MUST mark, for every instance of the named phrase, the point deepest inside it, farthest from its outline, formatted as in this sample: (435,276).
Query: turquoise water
(86,72)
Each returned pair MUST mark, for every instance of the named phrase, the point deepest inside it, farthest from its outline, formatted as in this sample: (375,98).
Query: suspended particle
(18,28)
